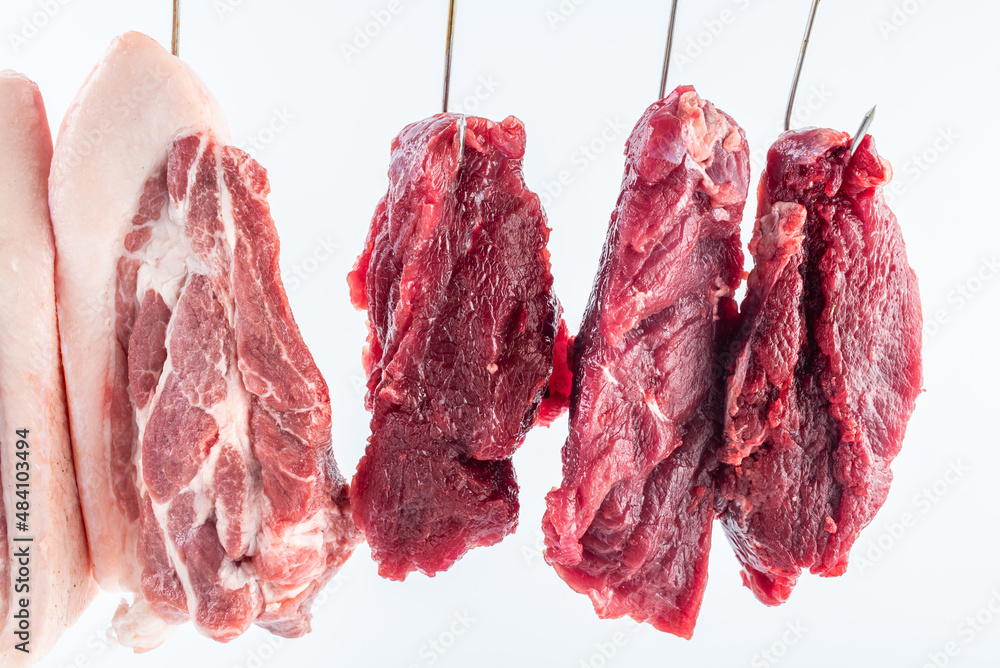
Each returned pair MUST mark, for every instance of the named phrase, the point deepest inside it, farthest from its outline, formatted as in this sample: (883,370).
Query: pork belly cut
(463,323)
(826,365)
(201,421)
(39,504)
(630,524)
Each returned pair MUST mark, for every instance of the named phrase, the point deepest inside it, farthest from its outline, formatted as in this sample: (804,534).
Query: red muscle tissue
(826,365)
(631,524)
(463,325)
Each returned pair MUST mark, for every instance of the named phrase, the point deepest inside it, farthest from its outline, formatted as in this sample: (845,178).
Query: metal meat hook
(866,123)
(449,42)
(798,64)
(666,54)
(175,33)
(869,117)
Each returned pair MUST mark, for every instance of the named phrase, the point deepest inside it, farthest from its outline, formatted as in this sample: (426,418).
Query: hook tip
(866,123)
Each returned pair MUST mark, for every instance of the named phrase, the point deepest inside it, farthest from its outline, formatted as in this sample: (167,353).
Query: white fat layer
(306,535)
(233,576)
(232,416)
(168,260)
(139,626)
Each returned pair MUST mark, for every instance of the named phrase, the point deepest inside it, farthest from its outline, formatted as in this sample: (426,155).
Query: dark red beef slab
(462,320)
(826,364)
(631,524)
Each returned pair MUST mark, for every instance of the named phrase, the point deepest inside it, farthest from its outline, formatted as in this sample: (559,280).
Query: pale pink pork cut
(39,507)
(201,422)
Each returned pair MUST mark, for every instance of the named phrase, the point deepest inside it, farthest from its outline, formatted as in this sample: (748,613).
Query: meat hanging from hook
(465,334)
(657,305)
(830,282)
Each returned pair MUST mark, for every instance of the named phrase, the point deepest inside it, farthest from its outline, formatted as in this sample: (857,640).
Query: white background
(932,68)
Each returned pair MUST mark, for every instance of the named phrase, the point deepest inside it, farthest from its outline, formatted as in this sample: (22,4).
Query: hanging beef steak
(826,365)
(462,319)
(631,524)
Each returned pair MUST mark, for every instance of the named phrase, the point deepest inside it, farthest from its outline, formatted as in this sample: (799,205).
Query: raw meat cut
(39,505)
(631,524)
(115,135)
(462,322)
(826,366)
(201,422)
(556,400)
